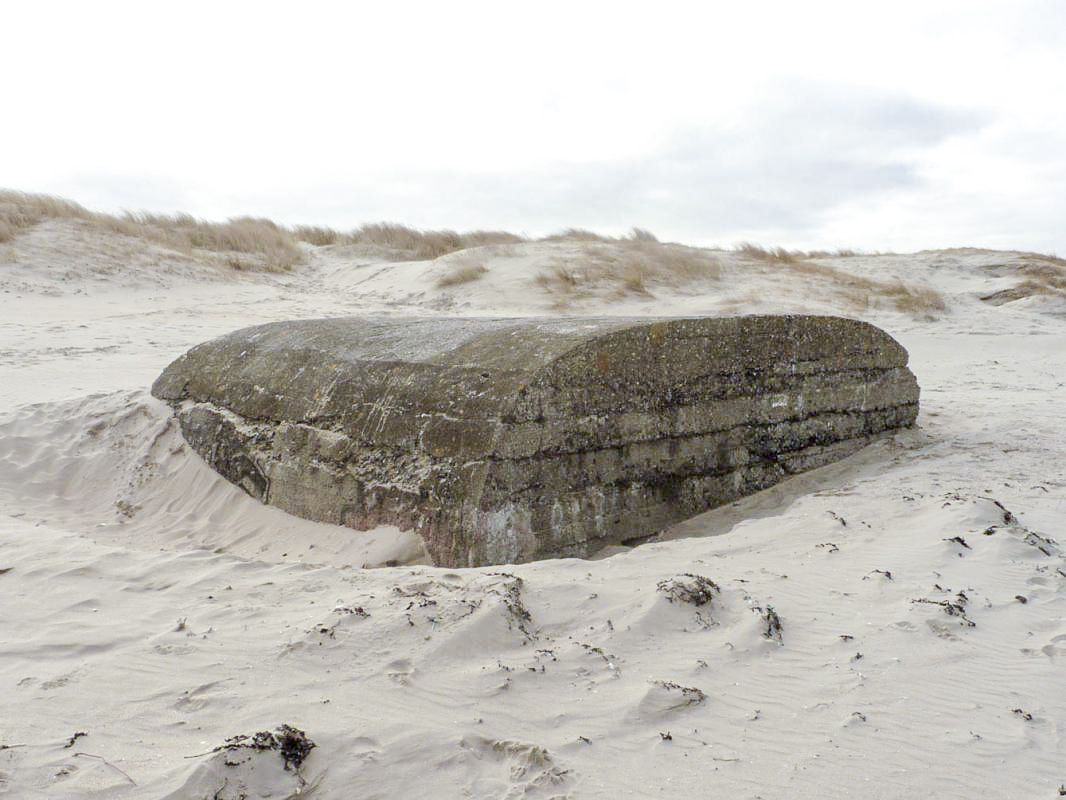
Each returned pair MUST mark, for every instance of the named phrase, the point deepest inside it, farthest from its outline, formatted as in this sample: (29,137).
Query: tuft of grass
(410,244)
(407,242)
(642,235)
(918,301)
(778,255)
(485,238)
(19,211)
(1040,274)
(631,266)
(575,235)
(267,246)
(1049,270)
(843,252)
(317,235)
(462,272)
(583,235)
(559,277)
(858,292)
(1049,258)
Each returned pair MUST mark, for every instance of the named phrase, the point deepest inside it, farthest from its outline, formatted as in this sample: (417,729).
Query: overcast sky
(891,126)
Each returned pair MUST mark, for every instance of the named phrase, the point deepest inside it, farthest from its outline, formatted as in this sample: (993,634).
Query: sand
(889,626)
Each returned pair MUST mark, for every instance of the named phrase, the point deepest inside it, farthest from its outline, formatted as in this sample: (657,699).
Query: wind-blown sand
(149,610)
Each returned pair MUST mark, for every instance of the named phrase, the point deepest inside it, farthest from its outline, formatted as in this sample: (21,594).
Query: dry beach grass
(403,242)
(251,243)
(464,271)
(1042,275)
(626,266)
(859,292)
(634,265)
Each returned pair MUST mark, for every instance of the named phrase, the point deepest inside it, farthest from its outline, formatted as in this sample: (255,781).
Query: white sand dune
(149,611)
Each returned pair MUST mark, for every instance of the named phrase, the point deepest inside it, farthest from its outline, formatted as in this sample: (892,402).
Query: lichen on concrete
(509,440)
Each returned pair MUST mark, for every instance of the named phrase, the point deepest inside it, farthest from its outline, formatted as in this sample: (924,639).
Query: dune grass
(920,302)
(260,243)
(773,255)
(853,291)
(636,264)
(610,267)
(19,211)
(317,235)
(416,245)
(464,271)
(266,244)
(402,242)
(1049,270)
(263,244)
(575,235)
(632,265)
(1040,274)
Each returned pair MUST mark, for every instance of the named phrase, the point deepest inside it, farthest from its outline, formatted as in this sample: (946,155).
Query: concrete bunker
(510,440)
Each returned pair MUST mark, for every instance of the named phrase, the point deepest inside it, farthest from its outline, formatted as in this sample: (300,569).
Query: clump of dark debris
(510,592)
(1008,517)
(343,611)
(689,588)
(690,695)
(953,609)
(290,742)
(774,630)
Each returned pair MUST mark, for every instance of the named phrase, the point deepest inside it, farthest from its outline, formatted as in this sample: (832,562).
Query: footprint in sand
(60,681)
(400,671)
(1056,647)
(526,770)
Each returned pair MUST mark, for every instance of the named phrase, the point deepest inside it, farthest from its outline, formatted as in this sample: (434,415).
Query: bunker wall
(511,440)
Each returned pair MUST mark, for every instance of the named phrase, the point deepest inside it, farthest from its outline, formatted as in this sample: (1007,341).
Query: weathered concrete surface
(511,440)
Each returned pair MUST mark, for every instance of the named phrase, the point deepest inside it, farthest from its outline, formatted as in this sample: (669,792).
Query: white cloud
(784,121)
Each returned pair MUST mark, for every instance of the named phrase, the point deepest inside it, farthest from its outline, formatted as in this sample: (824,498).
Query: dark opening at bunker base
(510,440)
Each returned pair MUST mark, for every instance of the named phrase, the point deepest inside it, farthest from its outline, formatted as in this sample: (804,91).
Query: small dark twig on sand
(105,761)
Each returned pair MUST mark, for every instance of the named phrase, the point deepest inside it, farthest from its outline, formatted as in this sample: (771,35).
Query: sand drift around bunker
(510,440)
